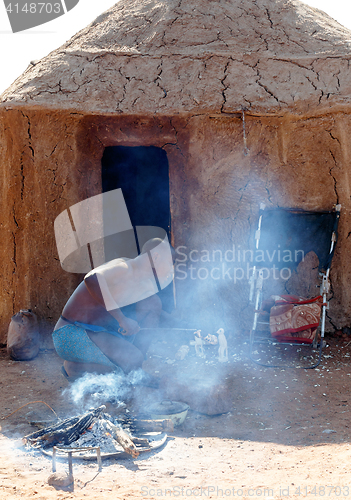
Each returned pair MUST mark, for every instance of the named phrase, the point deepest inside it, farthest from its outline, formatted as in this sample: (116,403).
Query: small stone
(60,480)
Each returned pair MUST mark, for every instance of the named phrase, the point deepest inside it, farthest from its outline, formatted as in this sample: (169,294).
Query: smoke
(93,390)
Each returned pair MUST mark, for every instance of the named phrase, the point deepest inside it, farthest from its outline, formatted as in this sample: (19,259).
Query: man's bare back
(81,306)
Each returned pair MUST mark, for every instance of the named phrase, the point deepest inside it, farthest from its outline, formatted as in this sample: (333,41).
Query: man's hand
(129,327)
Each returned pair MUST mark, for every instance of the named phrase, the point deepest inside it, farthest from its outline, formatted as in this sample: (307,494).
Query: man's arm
(98,289)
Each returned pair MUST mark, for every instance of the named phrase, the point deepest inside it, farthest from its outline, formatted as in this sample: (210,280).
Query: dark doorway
(142,174)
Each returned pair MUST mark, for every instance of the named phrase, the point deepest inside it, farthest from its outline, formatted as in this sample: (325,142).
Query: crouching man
(100,329)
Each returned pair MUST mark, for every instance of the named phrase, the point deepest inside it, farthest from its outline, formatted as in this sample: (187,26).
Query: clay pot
(23,336)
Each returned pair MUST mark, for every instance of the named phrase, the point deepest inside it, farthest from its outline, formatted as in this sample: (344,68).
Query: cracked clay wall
(37,152)
(291,161)
(49,161)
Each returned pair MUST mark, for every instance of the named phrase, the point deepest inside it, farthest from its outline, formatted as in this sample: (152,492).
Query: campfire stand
(70,451)
(63,438)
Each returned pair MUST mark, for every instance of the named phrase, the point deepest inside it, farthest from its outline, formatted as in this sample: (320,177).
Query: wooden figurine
(199,344)
(223,347)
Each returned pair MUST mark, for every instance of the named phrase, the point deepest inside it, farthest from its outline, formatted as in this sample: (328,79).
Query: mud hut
(235,102)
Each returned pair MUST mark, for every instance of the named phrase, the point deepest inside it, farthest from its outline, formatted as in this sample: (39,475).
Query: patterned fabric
(295,319)
(72,343)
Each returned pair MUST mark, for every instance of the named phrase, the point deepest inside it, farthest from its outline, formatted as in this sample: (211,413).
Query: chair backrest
(287,235)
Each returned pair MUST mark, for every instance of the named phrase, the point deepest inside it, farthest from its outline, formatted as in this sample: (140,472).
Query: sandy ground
(287,436)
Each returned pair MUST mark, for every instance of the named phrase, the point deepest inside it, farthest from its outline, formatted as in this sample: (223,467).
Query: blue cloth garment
(98,328)
(72,343)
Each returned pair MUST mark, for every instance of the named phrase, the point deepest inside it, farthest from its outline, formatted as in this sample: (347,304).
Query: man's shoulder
(120,265)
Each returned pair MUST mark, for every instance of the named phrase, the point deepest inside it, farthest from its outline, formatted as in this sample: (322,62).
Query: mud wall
(286,162)
(50,161)
(37,154)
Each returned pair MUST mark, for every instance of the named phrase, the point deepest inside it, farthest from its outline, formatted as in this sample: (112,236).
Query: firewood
(140,441)
(64,432)
(123,439)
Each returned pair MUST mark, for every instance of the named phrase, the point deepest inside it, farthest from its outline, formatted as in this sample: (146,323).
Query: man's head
(150,244)
(161,255)
(154,242)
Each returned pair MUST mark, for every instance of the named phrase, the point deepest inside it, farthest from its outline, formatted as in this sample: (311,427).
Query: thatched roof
(197,56)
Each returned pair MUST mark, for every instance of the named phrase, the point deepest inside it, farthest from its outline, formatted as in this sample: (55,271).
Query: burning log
(65,432)
(123,439)
(141,442)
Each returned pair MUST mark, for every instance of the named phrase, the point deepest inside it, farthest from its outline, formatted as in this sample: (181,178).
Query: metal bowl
(171,410)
